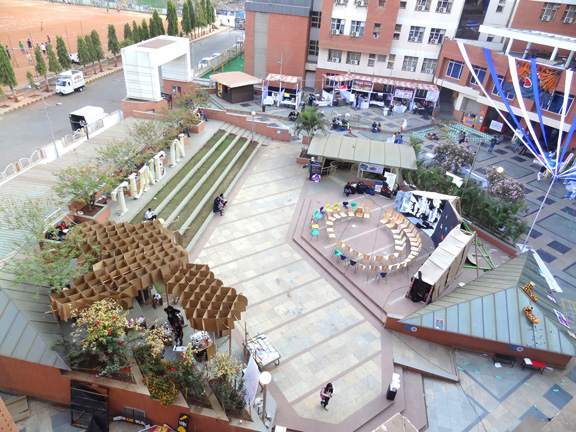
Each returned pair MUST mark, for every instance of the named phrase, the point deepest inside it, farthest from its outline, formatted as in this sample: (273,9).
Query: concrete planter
(198,128)
(100,216)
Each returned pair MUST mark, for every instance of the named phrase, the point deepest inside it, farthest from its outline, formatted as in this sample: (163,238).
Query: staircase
(446,103)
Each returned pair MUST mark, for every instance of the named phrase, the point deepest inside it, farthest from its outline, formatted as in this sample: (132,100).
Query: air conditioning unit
(341,2)
(335,59)
(354,34)
(419,8)
(410,69)
(412,39)
(434,41)
(361,3)
(429,71)
(335,31)
(546,18)
(442,10)
(354,62)
(568,20)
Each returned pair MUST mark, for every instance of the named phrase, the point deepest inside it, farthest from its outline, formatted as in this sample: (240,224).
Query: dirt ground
(24,19)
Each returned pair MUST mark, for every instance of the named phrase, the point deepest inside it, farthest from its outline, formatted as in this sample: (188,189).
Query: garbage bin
(393,387)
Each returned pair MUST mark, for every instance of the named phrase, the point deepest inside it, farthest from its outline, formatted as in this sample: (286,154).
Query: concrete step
(415,409)
(18,408)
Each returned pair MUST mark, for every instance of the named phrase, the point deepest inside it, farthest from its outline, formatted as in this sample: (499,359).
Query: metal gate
(89,406)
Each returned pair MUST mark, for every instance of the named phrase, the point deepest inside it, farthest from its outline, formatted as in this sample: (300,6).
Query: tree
(200,14)
(53,63)
(135,32)
(451,156)
(7,76)
(210,14)
(311,121)
(186,28)
(172,18)
(81,183)
(117,154)
(62,53)
(127,32)
(144,28)
(31,82)
(98,51)
(159,24)
(91,49)
(113,45)
(83,53)
(192,13)
(40,67)
(183,111)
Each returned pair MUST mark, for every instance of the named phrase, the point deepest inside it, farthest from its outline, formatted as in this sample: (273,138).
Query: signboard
(315,171)
(496,125)
(219,90)
(390,179)
(403,93)
(251,377)
(432,95)
(439,324)
(183,421)
(373,168)
(362,85)
(378,186)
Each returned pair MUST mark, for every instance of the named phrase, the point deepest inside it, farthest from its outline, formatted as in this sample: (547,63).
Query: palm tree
(311,121)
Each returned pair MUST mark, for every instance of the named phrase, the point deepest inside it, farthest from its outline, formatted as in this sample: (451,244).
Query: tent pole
(538,214)
(476,243)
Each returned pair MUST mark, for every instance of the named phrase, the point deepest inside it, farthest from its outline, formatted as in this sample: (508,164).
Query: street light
(253,114)
(500,170)
(265,379)
(46,108)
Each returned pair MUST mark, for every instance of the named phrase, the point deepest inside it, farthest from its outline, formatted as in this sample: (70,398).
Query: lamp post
(253,113)
(265,379)
(46,108)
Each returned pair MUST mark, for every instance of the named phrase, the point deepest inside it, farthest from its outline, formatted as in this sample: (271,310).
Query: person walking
(172,315)
(43,48)
(178,334)
(325,395)
(41,26)
(29,58)
(8,52)
(21,45)
(493,143)
(29,42)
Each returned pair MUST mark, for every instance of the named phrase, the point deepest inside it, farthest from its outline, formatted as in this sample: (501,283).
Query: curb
(52,93)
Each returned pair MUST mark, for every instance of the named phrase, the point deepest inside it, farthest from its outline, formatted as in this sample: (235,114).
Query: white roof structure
(364,150)
(533,36)
(142,62)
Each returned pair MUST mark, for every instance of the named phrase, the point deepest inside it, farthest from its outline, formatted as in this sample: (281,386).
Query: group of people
(58,233)
(376,127)
(175,321)
(398,138)
(219,204)
(340,125)
(202,115)
(496,139)
(293,116)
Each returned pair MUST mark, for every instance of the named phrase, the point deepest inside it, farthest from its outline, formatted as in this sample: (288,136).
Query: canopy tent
(287,92)
(442,267)
(335,90)
(363,150)
(235,87)
(235,79)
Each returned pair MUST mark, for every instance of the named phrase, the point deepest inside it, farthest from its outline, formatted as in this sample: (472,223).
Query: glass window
(338,26)
(501,5)
(416,34)
(391,60)
(554,104)
(381,58)
(436,36)
(421,93)
(316,19)
(381,3)
(410,63)
(371,60)
(376,32)
(509,96)
(397,31)
(454,69)
(423,5)
(548,12)
(313,48)
(444,6)
(334,56)
(353,58)
(568,16)
(429,65)
(402,5)
(480,72)
(357,29)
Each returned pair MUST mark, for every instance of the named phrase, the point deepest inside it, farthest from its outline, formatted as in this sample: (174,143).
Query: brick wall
(129,106)
(246,123)
(6,422)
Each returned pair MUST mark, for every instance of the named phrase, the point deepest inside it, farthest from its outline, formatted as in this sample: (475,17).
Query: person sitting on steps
(149,215)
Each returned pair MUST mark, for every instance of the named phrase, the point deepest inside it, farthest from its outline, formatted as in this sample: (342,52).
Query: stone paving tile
(559,247)
(546,257)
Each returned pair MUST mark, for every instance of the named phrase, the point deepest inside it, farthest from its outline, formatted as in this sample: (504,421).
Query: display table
(501,358)
(262,350)
(532,364)
(203,343)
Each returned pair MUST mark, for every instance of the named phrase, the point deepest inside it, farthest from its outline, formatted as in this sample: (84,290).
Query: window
(548,12)
(337,26)
(357,29)
(444,6)
(569,12)
(509,96)
(489,38)
(391,60)
(480,72)
(429,65)
(554,104)
(501,5)
(381,3)
(421,94)
(397,31)
(353,58)
(423,5)
(381,58)
(313,48)
(436,36)
(334,56)
(416,34)
(376,32)
(402,5)
(410,63)
(316,19)
(454,69)
(371,60)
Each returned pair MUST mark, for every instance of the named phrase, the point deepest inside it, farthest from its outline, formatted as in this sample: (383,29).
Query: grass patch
(182,172)
(226,182)
(210,182)
(158,4)
(179,197)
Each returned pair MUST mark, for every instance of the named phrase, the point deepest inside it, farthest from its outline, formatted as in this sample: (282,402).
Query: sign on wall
(496,125)
(403,93)
(373,168)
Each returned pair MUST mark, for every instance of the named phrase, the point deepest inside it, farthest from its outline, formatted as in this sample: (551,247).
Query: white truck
(70,81)
(85,116)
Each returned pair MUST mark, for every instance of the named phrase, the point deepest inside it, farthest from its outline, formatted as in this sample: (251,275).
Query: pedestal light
(265,379)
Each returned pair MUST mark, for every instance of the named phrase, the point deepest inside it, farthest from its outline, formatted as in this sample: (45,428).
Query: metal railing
(23,163)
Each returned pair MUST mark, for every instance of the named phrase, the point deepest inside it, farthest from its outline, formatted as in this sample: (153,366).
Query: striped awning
(339,78)
(283,78)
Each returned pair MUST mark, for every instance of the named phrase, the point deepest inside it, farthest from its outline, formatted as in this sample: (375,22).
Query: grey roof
(28,326)
(490,307)
(284,7)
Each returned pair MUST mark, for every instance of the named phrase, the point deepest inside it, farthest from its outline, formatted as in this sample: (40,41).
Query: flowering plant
(505,188)
(81,183)
(451,156)
(162,387)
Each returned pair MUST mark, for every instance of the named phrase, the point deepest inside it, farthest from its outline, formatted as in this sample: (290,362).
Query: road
(26,129)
